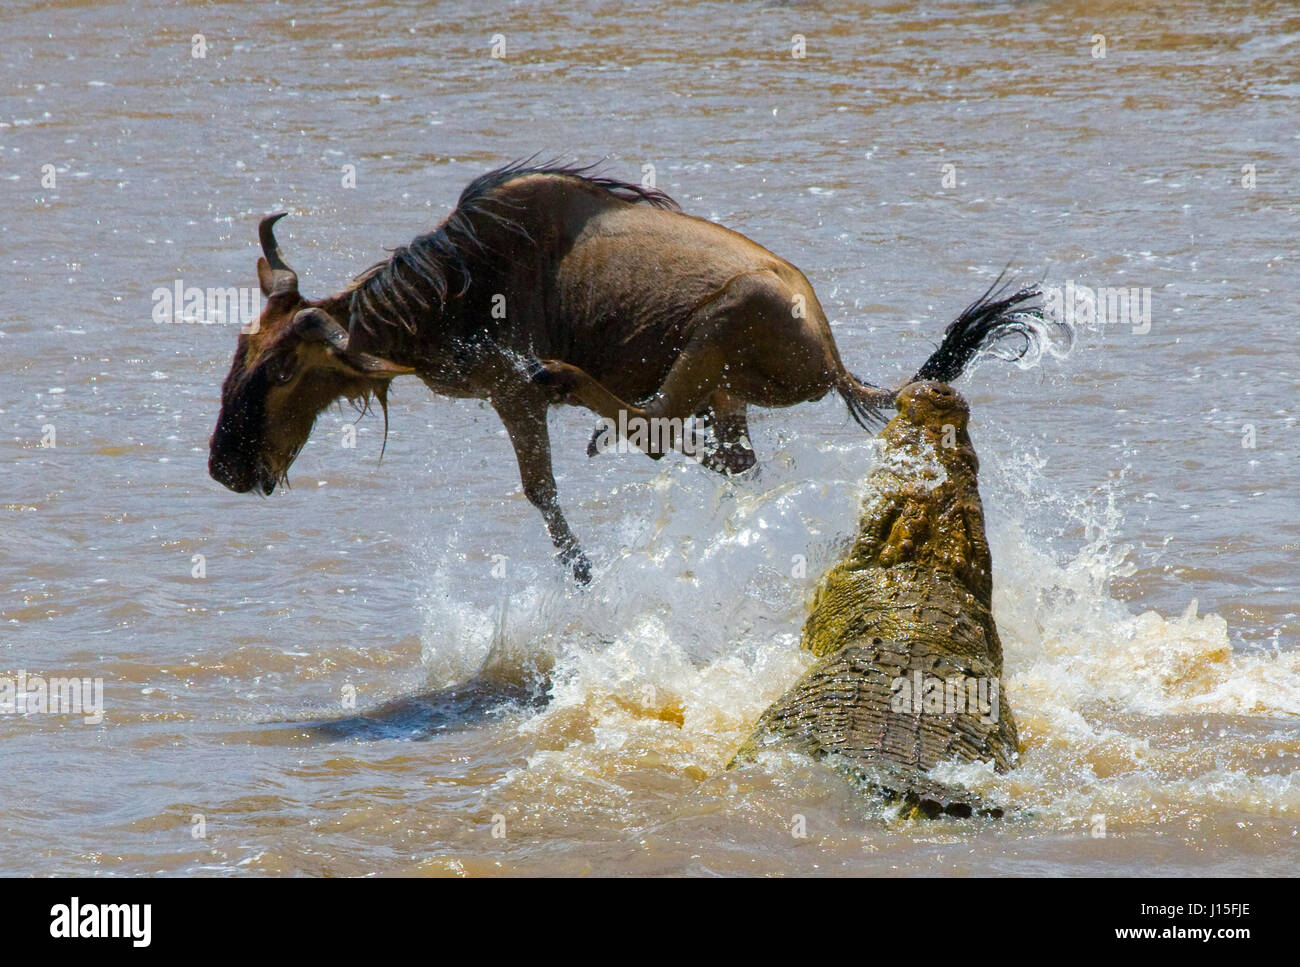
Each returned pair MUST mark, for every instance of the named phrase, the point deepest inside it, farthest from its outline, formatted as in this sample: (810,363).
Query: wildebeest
(551,285)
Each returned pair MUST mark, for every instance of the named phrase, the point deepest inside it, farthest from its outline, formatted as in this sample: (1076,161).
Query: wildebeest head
(285,372)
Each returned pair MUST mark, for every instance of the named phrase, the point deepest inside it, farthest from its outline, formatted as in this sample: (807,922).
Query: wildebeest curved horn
(316,324)
(285,277)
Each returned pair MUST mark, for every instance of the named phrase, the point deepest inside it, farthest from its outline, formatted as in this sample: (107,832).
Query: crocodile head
(932,417)
(933,405)
(922,511)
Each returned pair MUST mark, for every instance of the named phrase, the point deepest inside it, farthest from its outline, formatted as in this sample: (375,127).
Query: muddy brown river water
(347,678)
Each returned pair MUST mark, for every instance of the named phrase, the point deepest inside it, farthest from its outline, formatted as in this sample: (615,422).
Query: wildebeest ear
(364,364)
(316,325)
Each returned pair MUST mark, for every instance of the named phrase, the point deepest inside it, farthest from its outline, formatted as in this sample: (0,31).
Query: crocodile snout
(927,403)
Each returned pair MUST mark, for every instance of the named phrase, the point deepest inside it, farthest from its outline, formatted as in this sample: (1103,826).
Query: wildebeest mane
(421,274)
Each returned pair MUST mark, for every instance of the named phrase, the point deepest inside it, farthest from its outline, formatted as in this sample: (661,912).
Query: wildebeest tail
(867,403)
(985,322)
(990,318)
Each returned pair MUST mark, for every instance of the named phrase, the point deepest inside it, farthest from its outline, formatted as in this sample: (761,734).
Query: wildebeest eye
(281,371)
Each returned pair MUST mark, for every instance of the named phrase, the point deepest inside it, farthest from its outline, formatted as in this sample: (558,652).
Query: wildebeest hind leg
(688,383)
(733,452)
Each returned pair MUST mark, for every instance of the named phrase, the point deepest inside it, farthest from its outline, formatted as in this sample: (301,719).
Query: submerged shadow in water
(423,716)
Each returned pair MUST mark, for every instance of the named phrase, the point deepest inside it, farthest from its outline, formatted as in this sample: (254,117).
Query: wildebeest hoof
(593,445)
(577,562)
(538,373)
(560,378)
(731,461)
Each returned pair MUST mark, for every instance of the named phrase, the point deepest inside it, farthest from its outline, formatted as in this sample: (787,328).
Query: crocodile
(909,664)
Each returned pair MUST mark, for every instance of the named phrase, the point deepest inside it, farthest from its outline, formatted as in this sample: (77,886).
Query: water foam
(692,628)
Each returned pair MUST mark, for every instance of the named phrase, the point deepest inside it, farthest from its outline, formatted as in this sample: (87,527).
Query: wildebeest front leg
(525,422)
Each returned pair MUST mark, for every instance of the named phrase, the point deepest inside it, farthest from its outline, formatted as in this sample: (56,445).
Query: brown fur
(613,299)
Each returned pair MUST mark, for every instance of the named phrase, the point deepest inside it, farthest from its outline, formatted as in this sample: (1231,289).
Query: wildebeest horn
(285,277)
(317,324)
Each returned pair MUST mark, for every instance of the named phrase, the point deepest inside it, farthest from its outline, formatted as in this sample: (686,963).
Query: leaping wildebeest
(551,285)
